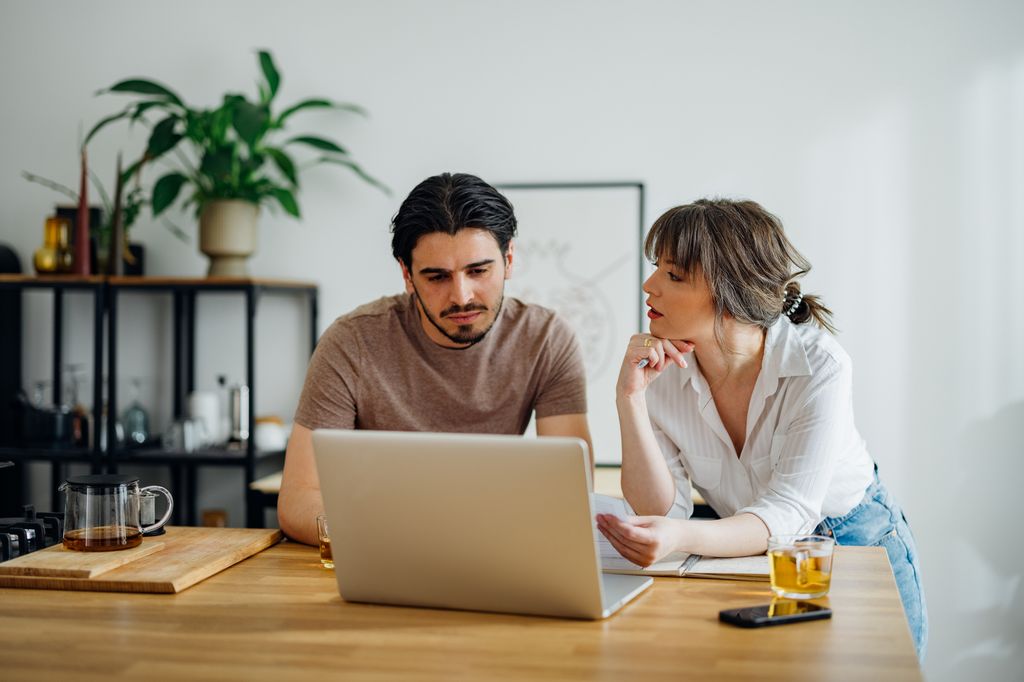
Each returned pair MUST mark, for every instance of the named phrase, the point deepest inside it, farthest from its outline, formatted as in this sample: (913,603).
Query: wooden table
(278,616)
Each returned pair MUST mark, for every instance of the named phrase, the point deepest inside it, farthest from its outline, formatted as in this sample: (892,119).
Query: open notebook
(679,564)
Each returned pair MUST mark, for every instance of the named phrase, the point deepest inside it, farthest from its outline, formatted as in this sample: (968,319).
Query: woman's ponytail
(800,308)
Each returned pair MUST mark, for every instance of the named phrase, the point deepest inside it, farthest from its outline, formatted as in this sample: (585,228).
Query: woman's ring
(648,342)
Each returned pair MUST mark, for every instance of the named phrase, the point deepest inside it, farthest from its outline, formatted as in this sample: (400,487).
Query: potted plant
(235,160)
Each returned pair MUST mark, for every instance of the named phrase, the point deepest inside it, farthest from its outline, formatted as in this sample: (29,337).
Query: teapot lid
(102,480)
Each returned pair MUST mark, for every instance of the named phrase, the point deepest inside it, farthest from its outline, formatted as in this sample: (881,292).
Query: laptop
(459,521)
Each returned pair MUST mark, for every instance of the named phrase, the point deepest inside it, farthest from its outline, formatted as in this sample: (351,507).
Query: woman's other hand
(634,379)
(644,540)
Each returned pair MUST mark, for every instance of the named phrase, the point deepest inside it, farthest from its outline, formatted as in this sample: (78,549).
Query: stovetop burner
(34,530)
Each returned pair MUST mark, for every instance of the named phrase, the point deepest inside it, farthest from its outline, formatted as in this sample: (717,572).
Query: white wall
(888,136)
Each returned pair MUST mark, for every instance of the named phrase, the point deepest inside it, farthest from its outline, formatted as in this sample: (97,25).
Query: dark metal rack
(184,291)
(59,285)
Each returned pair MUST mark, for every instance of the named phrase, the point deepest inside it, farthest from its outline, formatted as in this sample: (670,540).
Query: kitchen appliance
(29,532)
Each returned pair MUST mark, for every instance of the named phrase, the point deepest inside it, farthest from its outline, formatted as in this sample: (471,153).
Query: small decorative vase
(227,235)
(55,255)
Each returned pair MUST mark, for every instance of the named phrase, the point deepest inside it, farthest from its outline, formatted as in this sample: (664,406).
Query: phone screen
(789,607)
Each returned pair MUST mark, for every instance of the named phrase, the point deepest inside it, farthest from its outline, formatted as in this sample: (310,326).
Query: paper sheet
(610,557)
(679,563)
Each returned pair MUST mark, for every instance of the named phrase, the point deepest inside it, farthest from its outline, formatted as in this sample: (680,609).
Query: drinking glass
(326,557)
(800,566)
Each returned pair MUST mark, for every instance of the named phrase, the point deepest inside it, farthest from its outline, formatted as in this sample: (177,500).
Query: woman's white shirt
(803,458)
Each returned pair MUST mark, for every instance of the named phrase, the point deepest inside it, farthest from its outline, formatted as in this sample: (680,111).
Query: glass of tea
(102,512)
(800,566)
(326,557)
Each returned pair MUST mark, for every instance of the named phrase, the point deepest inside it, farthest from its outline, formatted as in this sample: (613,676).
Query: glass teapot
(102,512)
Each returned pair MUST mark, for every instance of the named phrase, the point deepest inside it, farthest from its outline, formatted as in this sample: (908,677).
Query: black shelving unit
(184,291)
(59,286)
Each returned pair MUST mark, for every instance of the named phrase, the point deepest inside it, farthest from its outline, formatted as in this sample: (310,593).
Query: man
(452,354)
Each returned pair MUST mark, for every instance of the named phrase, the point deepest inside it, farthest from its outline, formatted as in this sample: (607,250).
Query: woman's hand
(642,539)
(634,379)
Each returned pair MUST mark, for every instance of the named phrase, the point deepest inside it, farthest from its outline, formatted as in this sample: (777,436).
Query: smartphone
(777,613)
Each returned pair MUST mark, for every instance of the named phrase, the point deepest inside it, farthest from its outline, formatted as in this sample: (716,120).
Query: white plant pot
(227,235)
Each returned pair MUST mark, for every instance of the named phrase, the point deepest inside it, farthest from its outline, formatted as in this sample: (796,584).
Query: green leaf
(144,87)
(248,169)
(317,103)
(163,137)
(287,200)
(176,231)
(141,108)
(284,163)
(103,123)
(132,206)
(250,120)
(219,120)
(270,73)
(130,171)
(317,142)
(166,191)
(55,186)
(355,168)
(217,163)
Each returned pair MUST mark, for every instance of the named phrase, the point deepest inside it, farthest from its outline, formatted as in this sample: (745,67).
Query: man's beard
(465,333)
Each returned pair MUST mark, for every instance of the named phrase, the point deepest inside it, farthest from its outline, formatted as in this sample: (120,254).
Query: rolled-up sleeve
(804,455)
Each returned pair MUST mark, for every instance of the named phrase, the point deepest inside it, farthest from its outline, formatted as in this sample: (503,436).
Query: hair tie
(796,304)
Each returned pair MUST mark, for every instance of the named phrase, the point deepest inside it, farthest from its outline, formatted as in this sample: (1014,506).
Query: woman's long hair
(743,253)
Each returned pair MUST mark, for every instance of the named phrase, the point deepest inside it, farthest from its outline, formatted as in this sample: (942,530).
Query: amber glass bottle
(55,255)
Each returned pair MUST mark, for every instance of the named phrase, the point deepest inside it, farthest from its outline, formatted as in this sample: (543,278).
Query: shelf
(30,453)
(209,283)
(50,282)
(185,291)
(206,456)
(10,281)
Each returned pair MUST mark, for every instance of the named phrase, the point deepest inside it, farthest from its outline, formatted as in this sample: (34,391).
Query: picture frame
(579,251)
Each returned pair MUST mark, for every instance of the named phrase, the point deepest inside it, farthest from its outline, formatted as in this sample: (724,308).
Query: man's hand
(642,539)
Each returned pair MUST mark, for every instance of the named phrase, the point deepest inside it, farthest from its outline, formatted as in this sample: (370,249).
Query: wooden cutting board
(188,555)
(59,562)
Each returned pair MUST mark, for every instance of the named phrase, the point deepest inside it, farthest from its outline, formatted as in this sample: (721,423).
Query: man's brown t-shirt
(376,368)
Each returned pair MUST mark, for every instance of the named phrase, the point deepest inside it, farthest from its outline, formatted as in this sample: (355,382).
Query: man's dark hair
(448,203)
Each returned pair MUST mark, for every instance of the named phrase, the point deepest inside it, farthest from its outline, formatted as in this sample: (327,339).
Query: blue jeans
(878,521)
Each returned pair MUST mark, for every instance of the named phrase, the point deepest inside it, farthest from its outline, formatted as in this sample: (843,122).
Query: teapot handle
(170,506)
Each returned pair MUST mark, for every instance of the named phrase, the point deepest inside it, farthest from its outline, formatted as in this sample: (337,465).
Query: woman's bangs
(675,237)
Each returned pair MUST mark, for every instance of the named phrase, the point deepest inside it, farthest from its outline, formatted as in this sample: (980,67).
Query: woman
(760,419)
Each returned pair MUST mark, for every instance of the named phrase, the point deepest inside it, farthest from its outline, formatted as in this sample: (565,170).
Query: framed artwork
(579,252)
